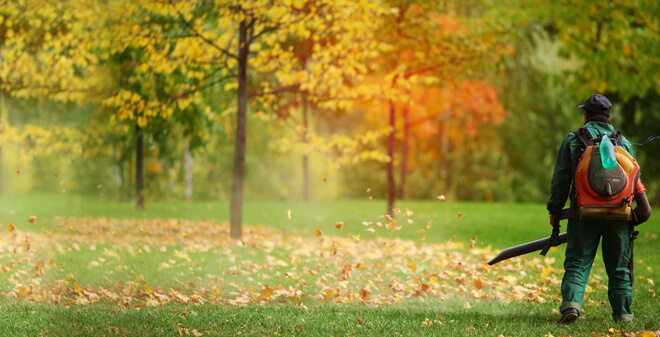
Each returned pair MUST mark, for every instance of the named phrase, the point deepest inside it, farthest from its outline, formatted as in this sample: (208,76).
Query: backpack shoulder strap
(584,136)
(616,137)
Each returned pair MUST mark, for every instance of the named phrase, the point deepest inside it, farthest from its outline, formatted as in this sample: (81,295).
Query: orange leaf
(339,225)
(18,172)
(10,227)
(460,215)
(32,219)
(266,293)
(317,232)
(369,199)
(56,176)
(473,242)
(412,266)
(361,321)
(396,211)
(325,179)
(368,190)
(440,197)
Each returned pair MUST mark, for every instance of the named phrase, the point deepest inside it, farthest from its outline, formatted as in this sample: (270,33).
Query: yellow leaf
(10,227)
(412,266)
(266,293)
(317,232)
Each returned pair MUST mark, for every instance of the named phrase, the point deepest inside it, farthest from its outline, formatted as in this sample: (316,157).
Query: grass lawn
(92,267)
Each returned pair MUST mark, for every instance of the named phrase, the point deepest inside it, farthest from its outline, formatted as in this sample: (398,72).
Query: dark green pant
(583,240)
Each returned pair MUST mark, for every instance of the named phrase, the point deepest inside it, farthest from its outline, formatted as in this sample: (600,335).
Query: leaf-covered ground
(134,264)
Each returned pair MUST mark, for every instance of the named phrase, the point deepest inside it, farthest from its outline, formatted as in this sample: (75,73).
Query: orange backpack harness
(604,194)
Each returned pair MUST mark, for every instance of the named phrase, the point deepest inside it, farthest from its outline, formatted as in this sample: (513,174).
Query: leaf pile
(269,265)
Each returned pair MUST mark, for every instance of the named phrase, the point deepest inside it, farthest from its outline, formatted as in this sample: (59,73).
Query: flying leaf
(56,176)
(370,229)
(99,186)
(410,221)
(460,215)
(368,190)
(339,225)
(396,211)
(32,219)
(288,214)
(369,199)
(440,197)
(412,266)
(325,179)
(10,227)
(317,232)
(18,172)
(474,240)
(429,224)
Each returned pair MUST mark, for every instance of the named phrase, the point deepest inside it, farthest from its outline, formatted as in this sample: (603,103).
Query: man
(584,235)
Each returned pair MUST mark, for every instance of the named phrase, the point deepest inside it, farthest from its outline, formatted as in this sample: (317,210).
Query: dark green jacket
(566,164)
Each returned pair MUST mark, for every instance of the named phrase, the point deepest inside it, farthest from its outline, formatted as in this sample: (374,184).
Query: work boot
(568,316)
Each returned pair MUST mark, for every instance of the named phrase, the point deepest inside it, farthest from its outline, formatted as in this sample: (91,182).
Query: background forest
(315,100)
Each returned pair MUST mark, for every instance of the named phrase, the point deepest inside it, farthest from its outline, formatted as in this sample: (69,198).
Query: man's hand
(553,217)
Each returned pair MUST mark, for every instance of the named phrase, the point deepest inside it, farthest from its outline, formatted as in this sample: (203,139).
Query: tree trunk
(391,184)
(443,172)
(139,168)
(305,157)
(403,190)
(236,205)
(187,169)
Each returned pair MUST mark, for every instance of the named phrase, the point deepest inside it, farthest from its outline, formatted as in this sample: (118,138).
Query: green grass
(137,256)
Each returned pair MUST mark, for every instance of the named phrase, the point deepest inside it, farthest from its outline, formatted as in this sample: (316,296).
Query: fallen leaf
(143,230)
(32,219)
(339,225)
(410,221)
(266,293)
(370,229)
(473,242)
(361,321)
(73,229)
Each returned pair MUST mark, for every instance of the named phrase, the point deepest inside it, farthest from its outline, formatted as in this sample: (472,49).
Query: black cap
(597,105)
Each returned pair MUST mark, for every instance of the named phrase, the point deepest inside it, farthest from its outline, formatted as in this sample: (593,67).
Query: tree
(422,42)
